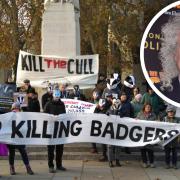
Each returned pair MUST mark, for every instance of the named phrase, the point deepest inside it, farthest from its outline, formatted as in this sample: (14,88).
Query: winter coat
(174,142)
(142,116)
(137,106)
(33,105)
(45,98)
(126,110)
(55,107)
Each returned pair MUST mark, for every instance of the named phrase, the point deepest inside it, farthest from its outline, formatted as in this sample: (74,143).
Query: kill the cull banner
(82,70)
(44,129)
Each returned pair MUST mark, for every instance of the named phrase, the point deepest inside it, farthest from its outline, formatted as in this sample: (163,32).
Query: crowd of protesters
(112,97)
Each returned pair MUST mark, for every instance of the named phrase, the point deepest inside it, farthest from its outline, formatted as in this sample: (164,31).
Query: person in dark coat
(125,110)
(22,149)
(55,107)
(102,107)
(33,102)
(171,147)
(28,86)
(114,151)
(47,96)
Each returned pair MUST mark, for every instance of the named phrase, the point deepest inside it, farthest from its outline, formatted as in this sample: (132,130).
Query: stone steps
(81,151)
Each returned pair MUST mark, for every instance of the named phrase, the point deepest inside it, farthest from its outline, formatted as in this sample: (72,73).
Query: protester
(47,96)
(55,107)
(125,110)
(101,83)
(114,151)
(28,86)
(21,148)
(156,102)
(95,100)
(147,152)
(136,104)
(63,91)
(171,147)
(76,94)
(102,107)
(33,102)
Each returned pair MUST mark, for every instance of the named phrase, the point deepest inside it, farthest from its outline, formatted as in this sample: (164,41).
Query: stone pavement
(90,170)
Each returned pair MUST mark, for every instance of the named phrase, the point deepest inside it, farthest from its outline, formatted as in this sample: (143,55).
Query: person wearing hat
(55,107)
(28,86)
(136,104)
(172,146)
(21,148)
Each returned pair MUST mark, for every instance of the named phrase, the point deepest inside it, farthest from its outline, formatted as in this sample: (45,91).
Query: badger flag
(44,129)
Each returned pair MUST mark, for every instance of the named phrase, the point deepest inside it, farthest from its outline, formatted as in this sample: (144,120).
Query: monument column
(60,28)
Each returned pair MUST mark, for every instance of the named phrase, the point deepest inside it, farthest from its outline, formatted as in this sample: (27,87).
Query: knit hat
(171,108)
(129,81)
(26,81)
(138,97)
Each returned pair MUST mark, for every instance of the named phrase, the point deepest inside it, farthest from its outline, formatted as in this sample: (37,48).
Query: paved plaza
(90,170)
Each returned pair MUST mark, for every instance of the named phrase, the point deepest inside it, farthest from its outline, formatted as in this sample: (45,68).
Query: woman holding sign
(21,148)
(147,153)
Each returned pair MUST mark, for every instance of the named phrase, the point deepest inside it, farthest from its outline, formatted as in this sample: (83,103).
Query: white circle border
(142,54)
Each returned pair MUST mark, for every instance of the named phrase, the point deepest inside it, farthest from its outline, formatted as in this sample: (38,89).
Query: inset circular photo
(160,54)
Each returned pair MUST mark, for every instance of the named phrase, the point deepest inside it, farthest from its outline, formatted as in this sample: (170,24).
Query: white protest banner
(21,98)
(45,129)
(77,106)
(81,70)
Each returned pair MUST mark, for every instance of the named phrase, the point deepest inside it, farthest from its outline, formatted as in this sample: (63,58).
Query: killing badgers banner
(81,70)
(44,129)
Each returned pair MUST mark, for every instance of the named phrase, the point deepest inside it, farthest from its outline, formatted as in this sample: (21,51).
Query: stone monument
(60,28)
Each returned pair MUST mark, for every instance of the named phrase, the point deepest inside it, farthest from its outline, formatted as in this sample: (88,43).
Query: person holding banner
(114,151)
(172,146)
(147,153)
(55,107)
(21,148)
(95,100)
(33,102)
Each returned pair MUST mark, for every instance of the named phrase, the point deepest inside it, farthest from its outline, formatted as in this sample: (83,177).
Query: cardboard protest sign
(6,97)
(21,98)
(77,106)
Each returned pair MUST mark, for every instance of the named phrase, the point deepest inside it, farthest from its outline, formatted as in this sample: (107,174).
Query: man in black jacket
(47,96)
(55,107)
